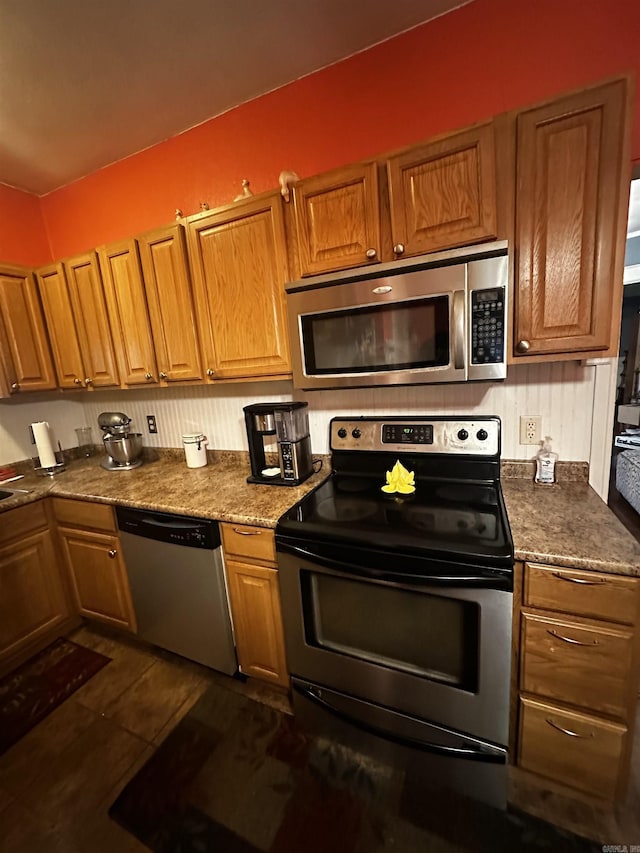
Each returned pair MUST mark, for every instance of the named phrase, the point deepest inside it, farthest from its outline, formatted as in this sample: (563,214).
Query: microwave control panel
(487,326)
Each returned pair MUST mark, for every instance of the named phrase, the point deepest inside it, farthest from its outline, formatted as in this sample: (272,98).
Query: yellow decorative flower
(400,480)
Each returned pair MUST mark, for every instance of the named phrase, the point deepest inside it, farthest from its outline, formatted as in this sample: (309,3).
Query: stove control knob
(463,435)
(482,435)
(342,433)
(356,433)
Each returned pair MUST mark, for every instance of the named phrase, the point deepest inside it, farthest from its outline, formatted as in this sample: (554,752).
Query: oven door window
(396,336)
(425,634)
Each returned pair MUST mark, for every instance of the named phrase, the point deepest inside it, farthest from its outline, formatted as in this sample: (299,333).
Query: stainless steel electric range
(397,606)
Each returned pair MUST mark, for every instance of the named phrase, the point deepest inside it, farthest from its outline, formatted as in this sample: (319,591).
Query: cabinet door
(239,267)
(27,356)
(90,311)
(571,170)
(338,219)
(61,325)
(170,299)
(98,577)
(257,618)
(127,305)
(32,597)
(443,194)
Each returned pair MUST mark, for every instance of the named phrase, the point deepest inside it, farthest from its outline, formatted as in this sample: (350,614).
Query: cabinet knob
(210,373)
(88,381)
(15,386)
(77,381)
(112,553)
(398,249)
(163,375)
(371,254)
(148,376)
(523,346)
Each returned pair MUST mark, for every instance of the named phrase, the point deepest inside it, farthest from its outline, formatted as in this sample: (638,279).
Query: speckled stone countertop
(218,490)
(566,524)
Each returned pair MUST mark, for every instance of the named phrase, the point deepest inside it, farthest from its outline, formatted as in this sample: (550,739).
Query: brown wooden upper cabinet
(440,194)
(338,219)
(24,348)
(238,258)
(76,314)
(443,194)
(571,201)
(128,313)
(170,299)
(151,307)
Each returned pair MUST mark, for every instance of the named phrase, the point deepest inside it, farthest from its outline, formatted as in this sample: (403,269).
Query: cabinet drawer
(18,522)
(610,597)
(254,543)
(585,665)
(84,514)
(576,749)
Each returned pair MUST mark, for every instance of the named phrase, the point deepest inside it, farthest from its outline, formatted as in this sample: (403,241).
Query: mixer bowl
(124,449)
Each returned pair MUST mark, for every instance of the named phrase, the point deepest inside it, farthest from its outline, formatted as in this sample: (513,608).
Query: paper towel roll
(43,444)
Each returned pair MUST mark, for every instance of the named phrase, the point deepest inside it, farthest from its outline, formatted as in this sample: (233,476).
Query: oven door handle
(471,580)
(489,755)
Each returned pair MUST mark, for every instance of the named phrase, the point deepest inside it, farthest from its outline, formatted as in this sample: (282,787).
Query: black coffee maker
(289,422)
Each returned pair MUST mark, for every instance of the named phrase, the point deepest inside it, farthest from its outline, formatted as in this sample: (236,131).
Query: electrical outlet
(151,423)
(530,429)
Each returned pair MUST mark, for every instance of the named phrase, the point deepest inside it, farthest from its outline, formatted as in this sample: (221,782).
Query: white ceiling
(84,83)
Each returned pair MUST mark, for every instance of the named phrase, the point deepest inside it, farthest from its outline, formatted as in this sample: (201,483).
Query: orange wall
(22,233)
(480,60)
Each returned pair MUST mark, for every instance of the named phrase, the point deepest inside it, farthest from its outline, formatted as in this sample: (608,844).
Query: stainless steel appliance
(177,584)
(397,608)
(439,318)
(289,422)
(123,448)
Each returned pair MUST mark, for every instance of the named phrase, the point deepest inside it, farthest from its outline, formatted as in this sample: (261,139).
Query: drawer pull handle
(112,552)
(579,580)
(568,731)
(247,532)
(573,642)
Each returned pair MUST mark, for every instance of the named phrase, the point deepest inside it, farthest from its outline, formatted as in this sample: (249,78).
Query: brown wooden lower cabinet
(577,749)
(577,677)
(34,602)
(257,619)
(89,539)
(98,576)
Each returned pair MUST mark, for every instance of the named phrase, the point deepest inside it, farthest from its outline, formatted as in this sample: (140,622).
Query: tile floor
(57,783)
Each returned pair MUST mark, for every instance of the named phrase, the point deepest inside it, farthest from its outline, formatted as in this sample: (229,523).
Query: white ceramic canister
(195,449)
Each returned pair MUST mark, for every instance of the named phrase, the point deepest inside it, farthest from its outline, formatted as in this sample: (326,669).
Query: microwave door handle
(496,756)
(459,297)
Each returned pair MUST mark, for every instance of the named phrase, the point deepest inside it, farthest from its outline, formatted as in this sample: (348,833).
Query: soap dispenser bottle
(546,463)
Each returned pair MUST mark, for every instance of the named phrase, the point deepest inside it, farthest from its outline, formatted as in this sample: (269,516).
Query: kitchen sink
(5,494)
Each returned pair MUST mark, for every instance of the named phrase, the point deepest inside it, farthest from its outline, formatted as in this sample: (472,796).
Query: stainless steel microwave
(438,318)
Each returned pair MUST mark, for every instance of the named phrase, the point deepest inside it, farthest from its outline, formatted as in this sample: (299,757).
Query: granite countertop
(218,490)
(565,524)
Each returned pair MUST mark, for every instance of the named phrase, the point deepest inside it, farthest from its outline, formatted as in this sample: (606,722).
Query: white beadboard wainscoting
(62,413)
(561,393)
(572,398)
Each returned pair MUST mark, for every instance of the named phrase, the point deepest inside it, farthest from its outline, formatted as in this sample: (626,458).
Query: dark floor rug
(33,690)
(236,776)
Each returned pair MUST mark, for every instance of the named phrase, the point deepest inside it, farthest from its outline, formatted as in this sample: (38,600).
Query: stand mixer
(123,448)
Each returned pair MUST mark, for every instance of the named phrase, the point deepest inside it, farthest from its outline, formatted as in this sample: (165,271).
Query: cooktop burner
(455,514)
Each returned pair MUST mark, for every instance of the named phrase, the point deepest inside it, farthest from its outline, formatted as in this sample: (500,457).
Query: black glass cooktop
(449,520)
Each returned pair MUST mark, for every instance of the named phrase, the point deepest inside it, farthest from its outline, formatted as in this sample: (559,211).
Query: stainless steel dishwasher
(177,583)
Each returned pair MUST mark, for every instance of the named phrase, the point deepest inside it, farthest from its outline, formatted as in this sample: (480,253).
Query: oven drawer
(585,665)
(610,597)
(248,542)
(577,749)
